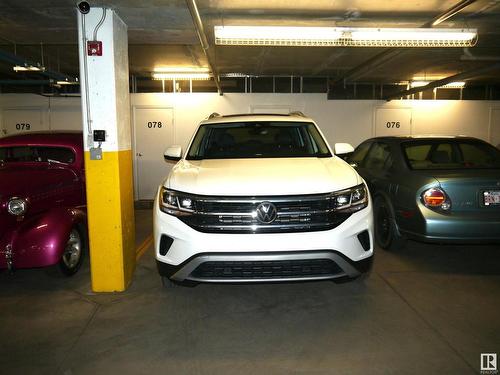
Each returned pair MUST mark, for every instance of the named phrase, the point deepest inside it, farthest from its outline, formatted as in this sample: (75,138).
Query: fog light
(343,199)
(187,203)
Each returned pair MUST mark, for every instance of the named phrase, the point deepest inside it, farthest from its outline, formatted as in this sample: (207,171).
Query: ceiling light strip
(181,76)
(451,85)
(28,68)
(343,36)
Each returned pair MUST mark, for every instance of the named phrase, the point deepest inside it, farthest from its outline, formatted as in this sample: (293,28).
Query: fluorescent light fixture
(28,68)
(180,69)
(418,84)
(67,82)
(428,77)
(277,35)
(236,75)
(451,85)
(422,37)
(343,36)
(454,85)
(180,76)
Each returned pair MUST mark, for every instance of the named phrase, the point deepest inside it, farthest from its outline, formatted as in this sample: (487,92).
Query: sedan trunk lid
(466,188)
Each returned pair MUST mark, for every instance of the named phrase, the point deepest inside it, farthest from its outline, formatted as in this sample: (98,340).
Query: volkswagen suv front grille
(273,214)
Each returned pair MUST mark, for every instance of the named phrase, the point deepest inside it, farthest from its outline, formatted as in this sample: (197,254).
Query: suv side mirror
(343,148)
(173,153)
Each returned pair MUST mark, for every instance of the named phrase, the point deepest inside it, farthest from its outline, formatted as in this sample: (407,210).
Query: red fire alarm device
(94,48)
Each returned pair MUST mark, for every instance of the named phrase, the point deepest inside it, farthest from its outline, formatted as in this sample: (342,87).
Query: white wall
(341,120)
(54,113)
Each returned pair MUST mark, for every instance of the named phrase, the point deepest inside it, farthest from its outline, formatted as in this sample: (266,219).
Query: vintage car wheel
(386,233)
(72,257)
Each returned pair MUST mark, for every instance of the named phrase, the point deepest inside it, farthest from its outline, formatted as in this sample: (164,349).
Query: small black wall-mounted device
(99,135)
(83,7)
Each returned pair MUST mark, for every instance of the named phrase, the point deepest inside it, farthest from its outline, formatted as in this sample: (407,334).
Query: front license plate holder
(491,198)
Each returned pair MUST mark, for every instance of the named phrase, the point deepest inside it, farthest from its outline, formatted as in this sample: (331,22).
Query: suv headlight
(17,206)
(176,203)
(351,200)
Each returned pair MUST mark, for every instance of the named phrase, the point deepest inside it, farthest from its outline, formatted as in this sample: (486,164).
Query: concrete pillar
(104,84)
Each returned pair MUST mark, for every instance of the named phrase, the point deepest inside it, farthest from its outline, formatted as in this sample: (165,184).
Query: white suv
(261,198)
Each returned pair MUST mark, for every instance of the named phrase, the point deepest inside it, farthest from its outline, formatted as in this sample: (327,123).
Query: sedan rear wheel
(387,235)
(72,257)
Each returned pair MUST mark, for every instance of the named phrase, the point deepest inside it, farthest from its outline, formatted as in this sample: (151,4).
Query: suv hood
(260,177)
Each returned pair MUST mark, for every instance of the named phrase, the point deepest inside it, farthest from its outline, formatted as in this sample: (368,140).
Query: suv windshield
(262,139)
(36,154)
(451,154)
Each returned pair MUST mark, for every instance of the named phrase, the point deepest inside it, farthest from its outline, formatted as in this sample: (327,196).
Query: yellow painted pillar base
(110,205)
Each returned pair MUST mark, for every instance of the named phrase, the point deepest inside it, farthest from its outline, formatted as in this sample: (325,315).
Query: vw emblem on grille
(266,212)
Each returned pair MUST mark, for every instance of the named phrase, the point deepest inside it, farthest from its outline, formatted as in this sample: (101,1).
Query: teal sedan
(431,189)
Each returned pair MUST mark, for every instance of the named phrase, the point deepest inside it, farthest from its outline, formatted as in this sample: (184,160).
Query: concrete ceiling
(161,32)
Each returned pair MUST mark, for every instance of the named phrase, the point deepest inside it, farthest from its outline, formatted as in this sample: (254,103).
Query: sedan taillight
(436,198)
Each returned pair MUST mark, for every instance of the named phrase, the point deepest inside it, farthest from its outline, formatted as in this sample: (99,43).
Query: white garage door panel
(273,109)
(392,121)
(154,132)
(66,119)
(22,120)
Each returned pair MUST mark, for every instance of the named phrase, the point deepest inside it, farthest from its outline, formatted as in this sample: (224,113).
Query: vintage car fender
(40,241)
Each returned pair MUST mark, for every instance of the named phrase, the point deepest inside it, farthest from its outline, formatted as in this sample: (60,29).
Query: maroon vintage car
(42,201)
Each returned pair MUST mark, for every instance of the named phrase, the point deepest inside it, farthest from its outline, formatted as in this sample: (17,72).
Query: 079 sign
(154,124)
(23,126)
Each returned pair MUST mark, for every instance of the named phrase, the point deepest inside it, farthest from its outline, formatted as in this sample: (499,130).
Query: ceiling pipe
(25,82)
(441,82)
(200,30)
(449,13)
(17,60)
(389,53)
(468,56)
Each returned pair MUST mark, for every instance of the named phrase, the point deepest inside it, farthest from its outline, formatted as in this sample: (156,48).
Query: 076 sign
(393,124)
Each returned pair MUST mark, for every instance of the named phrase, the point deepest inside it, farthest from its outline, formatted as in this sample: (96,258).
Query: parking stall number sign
(392,121)
(154,132)
(21,120)
(154,125)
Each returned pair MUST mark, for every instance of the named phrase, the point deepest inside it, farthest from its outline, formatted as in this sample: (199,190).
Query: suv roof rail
(297,113)
(213,115)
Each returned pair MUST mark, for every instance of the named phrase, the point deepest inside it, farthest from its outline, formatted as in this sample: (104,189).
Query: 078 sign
(154,125)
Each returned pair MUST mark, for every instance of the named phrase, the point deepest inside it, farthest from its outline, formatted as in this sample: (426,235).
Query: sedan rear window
(36,154)
(451,154)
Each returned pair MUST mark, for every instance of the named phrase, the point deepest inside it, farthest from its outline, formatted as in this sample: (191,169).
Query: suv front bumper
(226,257)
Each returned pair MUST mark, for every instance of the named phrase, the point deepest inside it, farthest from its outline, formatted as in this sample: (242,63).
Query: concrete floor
(427,310)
